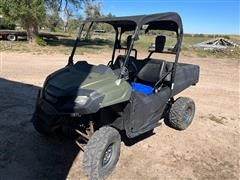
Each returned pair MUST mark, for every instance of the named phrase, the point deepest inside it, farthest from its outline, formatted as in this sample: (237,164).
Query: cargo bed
(186,75)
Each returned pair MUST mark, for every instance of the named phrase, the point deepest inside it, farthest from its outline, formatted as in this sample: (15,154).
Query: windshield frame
(79,34)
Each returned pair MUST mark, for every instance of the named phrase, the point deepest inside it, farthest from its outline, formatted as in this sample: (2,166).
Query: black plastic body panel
(67,105)
(145,111)
(51,109)
(186,75)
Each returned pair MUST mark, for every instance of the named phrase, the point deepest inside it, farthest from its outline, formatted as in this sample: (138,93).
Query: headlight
(81,100)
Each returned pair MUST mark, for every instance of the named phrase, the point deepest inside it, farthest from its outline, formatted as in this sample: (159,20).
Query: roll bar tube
(179,43)
(123,69)
(70,59)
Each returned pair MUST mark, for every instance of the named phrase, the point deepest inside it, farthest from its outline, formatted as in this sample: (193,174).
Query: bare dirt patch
(209,149)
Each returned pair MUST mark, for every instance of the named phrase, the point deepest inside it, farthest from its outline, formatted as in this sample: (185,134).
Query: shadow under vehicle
(99,103)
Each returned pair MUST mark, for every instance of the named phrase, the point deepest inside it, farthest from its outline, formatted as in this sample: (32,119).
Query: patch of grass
(219,120)
(40,41)
(230,53)
(189,41)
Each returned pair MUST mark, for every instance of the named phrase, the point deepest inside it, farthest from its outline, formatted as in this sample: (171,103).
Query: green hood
(96,78)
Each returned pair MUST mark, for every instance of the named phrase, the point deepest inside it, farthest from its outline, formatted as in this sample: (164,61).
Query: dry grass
(218,120)
(104,42)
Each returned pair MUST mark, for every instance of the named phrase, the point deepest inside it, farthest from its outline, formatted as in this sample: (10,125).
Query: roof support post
(123,70)
(179,43)
(70,59)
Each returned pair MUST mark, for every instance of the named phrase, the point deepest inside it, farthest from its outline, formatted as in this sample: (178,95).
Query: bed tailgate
(186,75)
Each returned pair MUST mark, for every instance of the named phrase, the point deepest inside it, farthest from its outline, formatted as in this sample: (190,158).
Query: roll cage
(170,21)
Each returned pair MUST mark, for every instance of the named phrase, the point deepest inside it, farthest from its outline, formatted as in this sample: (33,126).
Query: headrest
(129,39)
(160,43)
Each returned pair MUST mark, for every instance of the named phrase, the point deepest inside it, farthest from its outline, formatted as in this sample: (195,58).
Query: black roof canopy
(165,21)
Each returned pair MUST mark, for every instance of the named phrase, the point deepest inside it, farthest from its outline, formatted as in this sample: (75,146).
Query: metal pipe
(80,145)
(88,31)
(70,59)
(82,134)
(179,43)
(128,53)
(91,127)
(114,47)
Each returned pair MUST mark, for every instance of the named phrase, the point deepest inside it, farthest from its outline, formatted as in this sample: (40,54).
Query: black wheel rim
(188,115)
(108,156)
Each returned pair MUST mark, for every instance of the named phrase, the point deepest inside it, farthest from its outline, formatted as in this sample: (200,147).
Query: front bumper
(50,108)
(46,112)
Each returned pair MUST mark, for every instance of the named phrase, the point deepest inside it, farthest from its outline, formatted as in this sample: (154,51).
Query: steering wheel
(132,68)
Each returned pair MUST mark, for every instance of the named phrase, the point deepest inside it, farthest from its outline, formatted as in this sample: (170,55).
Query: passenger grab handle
(159,84)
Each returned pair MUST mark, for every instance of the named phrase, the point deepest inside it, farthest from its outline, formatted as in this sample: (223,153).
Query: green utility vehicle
(127,97)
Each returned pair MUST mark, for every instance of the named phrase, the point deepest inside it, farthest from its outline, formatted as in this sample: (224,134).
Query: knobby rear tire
(181,113)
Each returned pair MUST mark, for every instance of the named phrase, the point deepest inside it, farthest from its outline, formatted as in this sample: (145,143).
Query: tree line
(55,15)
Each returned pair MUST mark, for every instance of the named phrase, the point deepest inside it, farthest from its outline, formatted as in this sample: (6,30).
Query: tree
(6,24)
(92,10)
(110,15)
(31,13)
(74,24)
(67,7)
(53,18)
(28,12)
(54,21)
(63,4)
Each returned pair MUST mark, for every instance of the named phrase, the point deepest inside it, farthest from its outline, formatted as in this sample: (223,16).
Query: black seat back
(159,45)
(129,39)
(151,72)
(154,69)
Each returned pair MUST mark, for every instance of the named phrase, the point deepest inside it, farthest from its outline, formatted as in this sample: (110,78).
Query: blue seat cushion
(137,87)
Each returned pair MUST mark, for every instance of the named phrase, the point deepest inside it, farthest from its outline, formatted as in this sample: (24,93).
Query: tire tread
(93,151)
(176,113)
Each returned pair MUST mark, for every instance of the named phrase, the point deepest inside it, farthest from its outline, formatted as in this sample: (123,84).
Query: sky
(205,16)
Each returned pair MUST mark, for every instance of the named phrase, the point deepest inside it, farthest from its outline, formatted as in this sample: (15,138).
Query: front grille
(50,98)
(49,118)
(49,94)
(47,108)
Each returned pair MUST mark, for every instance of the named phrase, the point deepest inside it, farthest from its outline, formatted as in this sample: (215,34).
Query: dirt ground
(208,149)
